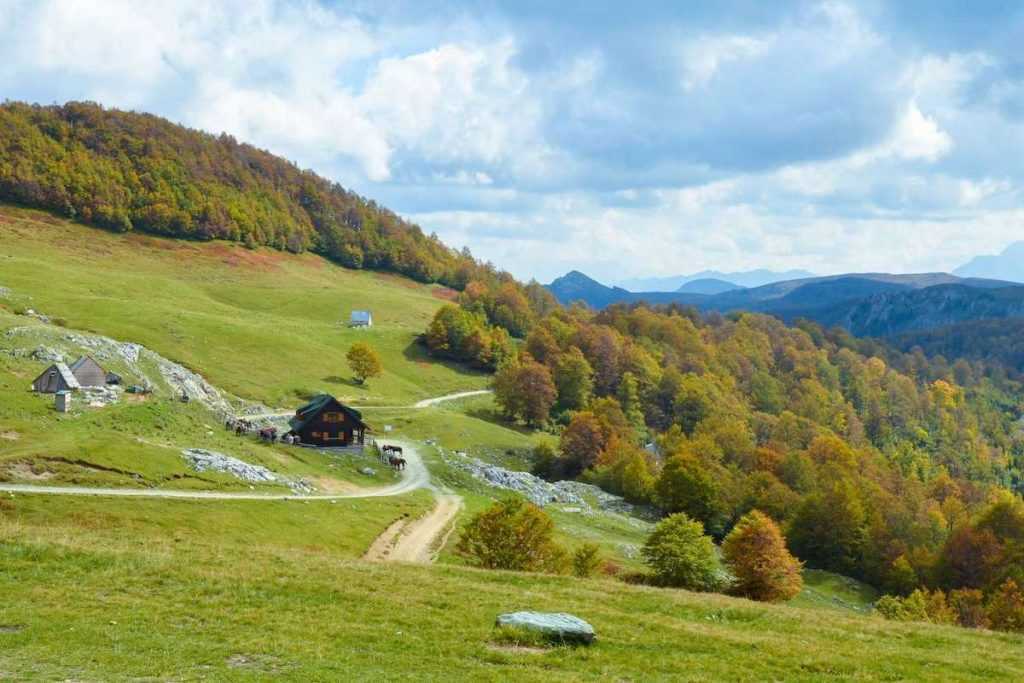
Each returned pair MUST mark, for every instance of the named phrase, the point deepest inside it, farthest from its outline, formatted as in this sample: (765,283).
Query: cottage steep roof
(309,411)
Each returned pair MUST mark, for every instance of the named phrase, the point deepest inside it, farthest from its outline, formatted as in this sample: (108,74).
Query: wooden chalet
(325,421)
(88,372)
(57,377)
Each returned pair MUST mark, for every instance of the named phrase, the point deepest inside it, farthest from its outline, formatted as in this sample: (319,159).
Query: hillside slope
(281,596)
(264,325)
(137,172)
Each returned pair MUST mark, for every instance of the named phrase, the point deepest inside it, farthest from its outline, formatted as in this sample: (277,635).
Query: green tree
(685,485)
(629,398)
(513,534)
(364,362)
(756,554)
(829,530)
(680,555)
(586,560)
(574,379)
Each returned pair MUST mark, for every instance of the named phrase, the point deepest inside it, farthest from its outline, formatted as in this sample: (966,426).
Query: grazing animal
(396,462)
(268,434)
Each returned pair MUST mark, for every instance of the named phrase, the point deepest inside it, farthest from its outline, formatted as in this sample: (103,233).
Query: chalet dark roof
(316,406)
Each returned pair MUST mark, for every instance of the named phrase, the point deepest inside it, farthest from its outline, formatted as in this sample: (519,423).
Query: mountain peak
(1008,265)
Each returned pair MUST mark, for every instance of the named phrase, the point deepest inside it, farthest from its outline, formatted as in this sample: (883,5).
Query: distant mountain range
(866,304)
(1008,265)
(708,285)
(746,278)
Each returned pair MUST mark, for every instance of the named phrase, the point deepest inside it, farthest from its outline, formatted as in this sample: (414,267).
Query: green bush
(681,555)
(513,534)
(586,560)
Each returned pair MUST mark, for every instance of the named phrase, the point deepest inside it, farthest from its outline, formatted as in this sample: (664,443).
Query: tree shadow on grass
(345,381)
(417,353)
(495,417)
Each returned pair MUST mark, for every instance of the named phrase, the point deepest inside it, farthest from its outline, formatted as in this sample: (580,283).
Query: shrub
(968,604)
(921,605)
(681,555)
(756,553)
(1006,607)
(586,560)
(513,534)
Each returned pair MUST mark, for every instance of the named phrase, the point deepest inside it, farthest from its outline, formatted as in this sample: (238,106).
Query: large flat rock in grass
(557,626)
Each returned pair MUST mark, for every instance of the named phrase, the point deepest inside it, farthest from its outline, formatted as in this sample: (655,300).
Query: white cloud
(917,136)
(702,58)
(973,193)
(545,153)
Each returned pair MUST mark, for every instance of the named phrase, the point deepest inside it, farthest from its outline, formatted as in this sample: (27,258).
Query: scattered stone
(101,397)
(629,550)
(4,292)
(572,493)
(211,461)
(47,354)
(368,471)
(557,627)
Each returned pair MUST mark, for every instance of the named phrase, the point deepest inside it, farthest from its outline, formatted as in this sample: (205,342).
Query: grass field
(261,324)
(116,590)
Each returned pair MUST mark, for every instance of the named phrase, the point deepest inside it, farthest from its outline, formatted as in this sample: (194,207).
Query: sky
(620,139)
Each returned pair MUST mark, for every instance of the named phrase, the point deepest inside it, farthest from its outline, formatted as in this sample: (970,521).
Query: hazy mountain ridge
(745,278)
(1008,265)
(866,304)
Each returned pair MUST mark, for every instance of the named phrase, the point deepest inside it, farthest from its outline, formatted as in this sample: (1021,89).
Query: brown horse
(396,462)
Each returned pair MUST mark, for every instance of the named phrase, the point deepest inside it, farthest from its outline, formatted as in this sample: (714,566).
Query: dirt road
(420,540)
(415,476)
(419,405)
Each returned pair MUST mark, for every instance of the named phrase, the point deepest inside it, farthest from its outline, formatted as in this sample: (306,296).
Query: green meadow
(103,589)
(264,325)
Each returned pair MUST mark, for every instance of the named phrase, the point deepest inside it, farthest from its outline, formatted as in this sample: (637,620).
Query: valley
(521,453)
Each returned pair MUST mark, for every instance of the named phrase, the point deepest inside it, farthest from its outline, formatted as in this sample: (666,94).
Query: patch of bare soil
(261,663)
(516,649)
(10,435)
(24,472)
(382,546)
(417,542)
(332,485)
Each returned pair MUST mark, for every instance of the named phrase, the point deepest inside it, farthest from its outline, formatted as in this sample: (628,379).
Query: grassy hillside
(261,324)
(246,591)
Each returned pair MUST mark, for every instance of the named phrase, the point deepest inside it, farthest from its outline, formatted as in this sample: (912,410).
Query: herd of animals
(389,455)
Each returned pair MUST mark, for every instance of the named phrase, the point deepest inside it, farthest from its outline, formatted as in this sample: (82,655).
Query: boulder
(555,626)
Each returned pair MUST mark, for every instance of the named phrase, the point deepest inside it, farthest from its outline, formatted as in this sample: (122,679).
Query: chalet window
(334,417)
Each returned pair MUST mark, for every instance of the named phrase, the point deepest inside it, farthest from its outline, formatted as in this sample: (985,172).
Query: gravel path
(414,477)
(419,405)
(414,541)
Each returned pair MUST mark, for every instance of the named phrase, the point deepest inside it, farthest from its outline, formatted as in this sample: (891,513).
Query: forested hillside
(885,466)
(127,171)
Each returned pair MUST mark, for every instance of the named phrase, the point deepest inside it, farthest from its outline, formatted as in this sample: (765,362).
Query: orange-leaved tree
(756,553)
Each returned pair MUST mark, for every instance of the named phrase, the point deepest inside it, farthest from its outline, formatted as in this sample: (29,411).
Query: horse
(396,462)
(269,434)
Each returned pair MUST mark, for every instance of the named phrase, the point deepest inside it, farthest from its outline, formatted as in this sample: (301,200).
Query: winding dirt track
(414,541)
(415,476)
(419,405)
(403,541)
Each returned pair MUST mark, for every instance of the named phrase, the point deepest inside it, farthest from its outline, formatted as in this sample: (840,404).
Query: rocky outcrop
(557,627)
(581,497)
(211,461)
